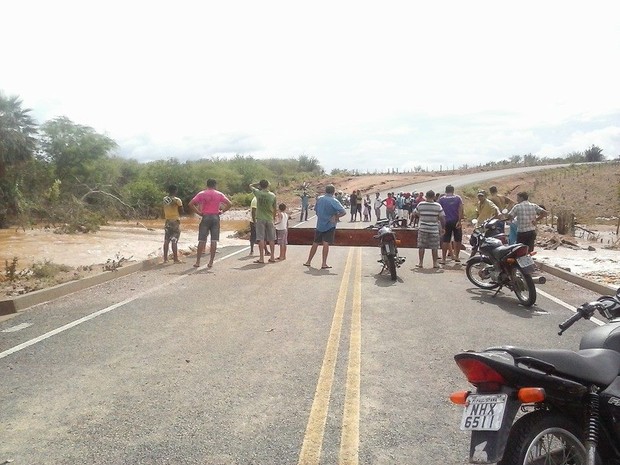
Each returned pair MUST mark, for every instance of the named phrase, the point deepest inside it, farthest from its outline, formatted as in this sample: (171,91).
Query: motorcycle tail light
(478,372)
(521,251)
(459,397)
(512,261)
(531,395)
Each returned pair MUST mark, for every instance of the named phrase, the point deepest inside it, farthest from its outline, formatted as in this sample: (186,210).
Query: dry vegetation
(588,191)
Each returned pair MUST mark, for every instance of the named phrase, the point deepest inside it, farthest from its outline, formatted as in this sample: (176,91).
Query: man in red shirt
(390,206)
(209,204)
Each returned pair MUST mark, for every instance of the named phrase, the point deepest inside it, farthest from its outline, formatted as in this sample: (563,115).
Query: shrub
(47,269)
(241,199)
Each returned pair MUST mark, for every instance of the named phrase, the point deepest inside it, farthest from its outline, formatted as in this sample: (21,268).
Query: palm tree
(17,145)
(17,133)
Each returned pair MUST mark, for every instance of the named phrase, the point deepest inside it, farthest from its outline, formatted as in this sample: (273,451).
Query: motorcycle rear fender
(527,373)
(478,258)
(489,446)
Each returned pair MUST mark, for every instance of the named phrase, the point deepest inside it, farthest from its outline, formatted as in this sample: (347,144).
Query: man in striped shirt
(432,222)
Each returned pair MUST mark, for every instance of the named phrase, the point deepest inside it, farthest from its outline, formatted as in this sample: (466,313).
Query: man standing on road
(377,206)
(453,208)
(265,216)
(172,228)
(328,211)
(528,215)
(252,224)
(390,206)
(305,202)
(209,204)
(432,224)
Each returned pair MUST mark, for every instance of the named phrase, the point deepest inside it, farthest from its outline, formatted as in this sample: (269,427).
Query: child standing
(281,224)
(367,208)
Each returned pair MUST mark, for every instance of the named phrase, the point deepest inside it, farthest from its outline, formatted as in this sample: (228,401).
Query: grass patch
(48,269)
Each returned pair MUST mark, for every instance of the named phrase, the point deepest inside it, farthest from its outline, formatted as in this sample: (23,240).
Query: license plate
(525,262)
(484,412)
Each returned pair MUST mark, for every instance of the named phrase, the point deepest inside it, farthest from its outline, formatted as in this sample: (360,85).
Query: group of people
(209,204)
(439,218)
(397,206)
(267,223)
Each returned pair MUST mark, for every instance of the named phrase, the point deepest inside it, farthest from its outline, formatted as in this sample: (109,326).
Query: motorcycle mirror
(475,222)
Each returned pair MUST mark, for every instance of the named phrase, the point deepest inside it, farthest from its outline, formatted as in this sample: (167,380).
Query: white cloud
(356,84)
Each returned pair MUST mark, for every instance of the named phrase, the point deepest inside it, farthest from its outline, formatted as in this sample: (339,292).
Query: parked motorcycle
(388,243)
(569,400)
(494,265)
(488,228)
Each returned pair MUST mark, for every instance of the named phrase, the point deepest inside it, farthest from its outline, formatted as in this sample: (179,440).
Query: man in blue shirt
(328,211)
(453,208)
(305,200)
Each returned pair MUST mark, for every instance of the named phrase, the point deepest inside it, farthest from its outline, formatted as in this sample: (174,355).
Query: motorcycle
(569,400)
(488,228)
(493,265)
(389,246)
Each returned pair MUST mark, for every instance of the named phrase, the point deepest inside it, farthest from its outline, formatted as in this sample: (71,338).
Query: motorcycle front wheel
(478,272)
(523,286)
(541,438)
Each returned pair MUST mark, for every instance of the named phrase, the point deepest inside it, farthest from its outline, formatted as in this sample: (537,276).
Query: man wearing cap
(486,210)
(502,203)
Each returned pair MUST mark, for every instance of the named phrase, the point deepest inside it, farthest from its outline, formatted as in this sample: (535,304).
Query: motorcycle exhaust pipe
(539,279)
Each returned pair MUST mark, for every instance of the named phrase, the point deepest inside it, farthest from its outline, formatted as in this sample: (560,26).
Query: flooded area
(124,239)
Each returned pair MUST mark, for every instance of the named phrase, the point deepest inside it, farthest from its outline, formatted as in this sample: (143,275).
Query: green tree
(309,164)
(146,196)
(73,149)
(575,157)
(17,146)
(530,160)
(594,153)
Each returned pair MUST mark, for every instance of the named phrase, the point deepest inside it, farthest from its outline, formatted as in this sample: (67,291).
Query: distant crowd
(438,217)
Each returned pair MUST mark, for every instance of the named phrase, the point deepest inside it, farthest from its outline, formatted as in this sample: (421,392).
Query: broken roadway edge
(22,302)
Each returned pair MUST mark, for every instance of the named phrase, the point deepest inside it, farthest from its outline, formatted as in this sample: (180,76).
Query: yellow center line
(349,441)
(313,440)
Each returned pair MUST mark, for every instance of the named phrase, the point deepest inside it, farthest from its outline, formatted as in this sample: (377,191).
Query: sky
(359,85)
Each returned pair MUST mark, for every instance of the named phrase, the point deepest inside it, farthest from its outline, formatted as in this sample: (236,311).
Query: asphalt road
(256,364)
(259,364)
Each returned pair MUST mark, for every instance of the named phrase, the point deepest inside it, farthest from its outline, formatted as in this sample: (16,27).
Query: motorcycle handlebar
(585,311)
(570,322)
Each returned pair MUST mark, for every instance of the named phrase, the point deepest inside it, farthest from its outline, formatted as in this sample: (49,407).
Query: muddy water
(139,240)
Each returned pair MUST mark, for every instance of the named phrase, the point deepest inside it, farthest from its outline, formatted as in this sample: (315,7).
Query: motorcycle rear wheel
(544,437)
(477,273)
(523,287)
(391,263)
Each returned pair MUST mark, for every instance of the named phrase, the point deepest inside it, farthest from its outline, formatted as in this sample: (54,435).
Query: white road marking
(16,328)
(568,306)
(86,318)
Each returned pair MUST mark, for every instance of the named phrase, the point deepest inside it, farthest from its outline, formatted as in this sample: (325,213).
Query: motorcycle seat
(503,250)
(597,366)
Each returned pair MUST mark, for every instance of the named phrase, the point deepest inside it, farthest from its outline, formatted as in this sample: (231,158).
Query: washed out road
(258,364)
